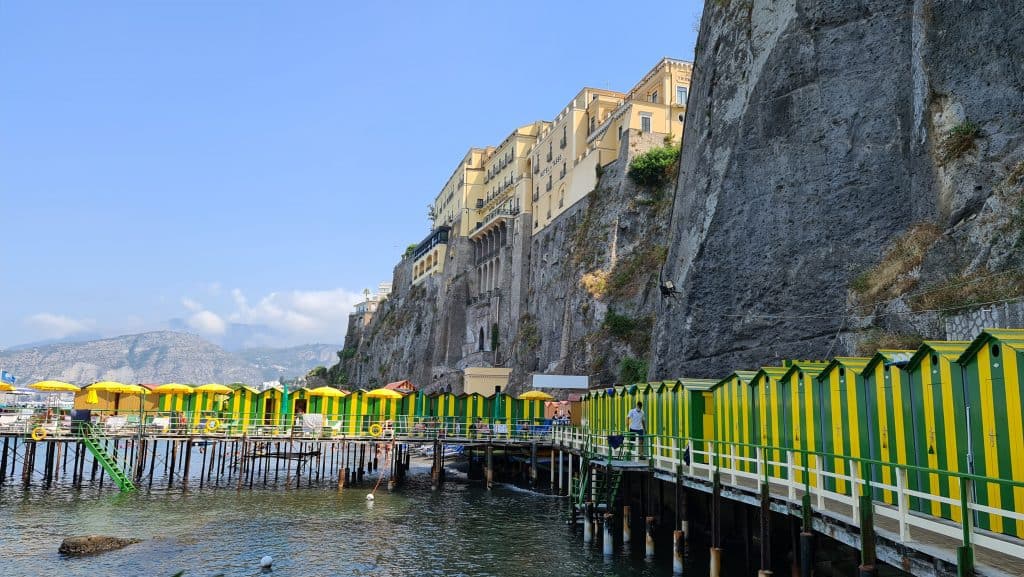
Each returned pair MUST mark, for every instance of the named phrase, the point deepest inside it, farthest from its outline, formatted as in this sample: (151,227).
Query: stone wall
(966,326)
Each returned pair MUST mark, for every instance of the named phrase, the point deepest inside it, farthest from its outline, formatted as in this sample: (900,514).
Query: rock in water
(93,544)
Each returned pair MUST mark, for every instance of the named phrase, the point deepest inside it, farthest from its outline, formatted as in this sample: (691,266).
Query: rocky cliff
(847,167)
(852,174)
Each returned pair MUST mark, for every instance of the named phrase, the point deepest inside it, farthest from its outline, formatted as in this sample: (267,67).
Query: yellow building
(545,167)
(455,205)
(428,257)
(562,171)
(656,105)
(483,380)
(590,131)
(508,183)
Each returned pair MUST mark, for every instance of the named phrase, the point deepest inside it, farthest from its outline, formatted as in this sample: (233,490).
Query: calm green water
(461,530)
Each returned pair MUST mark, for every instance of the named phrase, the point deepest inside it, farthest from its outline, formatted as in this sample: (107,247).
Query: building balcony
(493,218)
(436,237)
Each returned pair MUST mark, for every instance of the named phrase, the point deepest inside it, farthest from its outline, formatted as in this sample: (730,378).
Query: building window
(654,97)
(620,132)
(680,95)
(593,124)
(645,122)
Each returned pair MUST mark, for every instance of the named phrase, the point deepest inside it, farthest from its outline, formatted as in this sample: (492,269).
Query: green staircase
(92,437)
(597,480)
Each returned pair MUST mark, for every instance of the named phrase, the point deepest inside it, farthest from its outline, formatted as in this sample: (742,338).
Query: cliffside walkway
(797,484)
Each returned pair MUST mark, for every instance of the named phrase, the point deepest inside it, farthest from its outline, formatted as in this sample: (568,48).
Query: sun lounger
(114,424)
(161,424)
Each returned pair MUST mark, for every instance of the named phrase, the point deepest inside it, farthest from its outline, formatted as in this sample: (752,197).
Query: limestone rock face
(814,137)
(93,544)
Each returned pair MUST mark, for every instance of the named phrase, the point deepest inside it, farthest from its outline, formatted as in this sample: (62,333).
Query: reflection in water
(308,532)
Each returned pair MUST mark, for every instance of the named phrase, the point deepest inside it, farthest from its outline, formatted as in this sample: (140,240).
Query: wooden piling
(362,461)
(489,468)
(649,541)
(187,464)
(3,462)
(627,521)
(48,465)
(588,522)
(533,464)
(678,552)
(174,459)
(152,460)
(435,470)
(715,563)
(608,547)
(765,528)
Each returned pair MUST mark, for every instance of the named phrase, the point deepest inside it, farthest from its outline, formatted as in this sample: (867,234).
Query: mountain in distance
(158,357)
(291,361)
(236,336)
(75,338)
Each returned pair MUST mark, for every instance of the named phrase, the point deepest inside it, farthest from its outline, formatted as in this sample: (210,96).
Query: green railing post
(965,552)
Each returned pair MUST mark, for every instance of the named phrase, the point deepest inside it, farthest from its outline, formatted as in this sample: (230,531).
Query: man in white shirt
(637,421)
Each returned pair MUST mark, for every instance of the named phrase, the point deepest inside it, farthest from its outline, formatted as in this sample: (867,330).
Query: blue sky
(200,165)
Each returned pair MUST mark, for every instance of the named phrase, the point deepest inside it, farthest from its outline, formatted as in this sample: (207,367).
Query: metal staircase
(92,437)
(598,481)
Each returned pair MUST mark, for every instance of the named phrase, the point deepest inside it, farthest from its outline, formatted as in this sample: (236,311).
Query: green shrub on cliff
(654,167)
(960,139)
(632,370)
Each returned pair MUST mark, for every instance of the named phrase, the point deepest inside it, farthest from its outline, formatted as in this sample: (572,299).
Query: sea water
(459,530)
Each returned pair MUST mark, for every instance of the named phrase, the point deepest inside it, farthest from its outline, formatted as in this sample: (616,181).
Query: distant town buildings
(367,307)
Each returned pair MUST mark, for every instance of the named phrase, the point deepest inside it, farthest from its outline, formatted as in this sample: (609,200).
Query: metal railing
(308,425)
(799,472)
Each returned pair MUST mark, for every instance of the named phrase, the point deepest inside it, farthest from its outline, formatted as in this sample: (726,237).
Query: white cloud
(207,322)
(304,315)
(53,326)
(284,318)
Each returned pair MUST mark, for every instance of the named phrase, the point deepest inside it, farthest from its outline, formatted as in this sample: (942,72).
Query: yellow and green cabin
(940,432)
(992,378)
(891,418)
(844,420)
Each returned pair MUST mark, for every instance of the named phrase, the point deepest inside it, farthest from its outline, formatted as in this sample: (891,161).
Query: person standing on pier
(637,422)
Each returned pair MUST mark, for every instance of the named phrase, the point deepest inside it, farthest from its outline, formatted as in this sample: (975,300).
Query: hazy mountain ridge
(159,357)
(290,361)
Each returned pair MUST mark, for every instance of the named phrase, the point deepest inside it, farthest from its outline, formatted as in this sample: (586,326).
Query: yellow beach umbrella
(55,386)
(536,396)
(115,387)
(329,392)
(214,388)
(173,389)
(384,394)
(6,387)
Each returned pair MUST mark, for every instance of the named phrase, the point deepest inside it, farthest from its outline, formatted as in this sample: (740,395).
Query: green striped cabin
(799,392)
(770,415)
(992,367)
(940,432)
(734,418)
(890,414)
(843,419)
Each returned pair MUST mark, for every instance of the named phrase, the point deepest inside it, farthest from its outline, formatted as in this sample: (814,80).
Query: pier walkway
(920,543)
